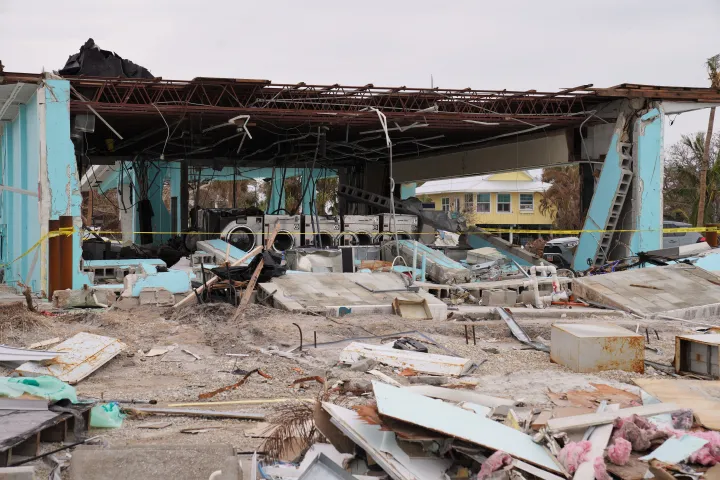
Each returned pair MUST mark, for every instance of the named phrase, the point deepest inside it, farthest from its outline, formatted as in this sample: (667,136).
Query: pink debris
(600,469)
(682,419)
(709,454)
(619,451)
(495,462)
(638,431)
(573,454)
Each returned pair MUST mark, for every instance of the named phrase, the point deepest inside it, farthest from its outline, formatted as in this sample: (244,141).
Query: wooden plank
(16,428)
(599,440)
(253,280)
(191,412)
(584,421)
(698,395)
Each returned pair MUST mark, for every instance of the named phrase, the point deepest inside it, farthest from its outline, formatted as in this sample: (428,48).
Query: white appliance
(359,229)
(326,227)
(244,233)
(290,233)
(406,227)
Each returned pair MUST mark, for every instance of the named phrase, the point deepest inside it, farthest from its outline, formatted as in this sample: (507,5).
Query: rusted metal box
(586,347)
(697,354)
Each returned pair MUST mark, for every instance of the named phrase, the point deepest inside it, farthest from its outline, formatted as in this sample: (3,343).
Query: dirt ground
(506,367)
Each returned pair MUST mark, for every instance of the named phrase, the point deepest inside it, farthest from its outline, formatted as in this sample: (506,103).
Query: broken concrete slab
(82,298)
(586,348)
(439,267)
(170,462)
(17,473)
(339,294)
(420,362)
(681,291)
(482,255)
(80,356)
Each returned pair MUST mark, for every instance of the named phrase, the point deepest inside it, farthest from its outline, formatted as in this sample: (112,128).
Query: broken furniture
(588,348)
(698,354)
(338,294)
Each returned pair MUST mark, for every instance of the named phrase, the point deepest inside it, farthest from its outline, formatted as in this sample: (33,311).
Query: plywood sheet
(701,396)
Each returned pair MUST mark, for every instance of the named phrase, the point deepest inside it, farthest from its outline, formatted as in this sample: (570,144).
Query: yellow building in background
(503,200)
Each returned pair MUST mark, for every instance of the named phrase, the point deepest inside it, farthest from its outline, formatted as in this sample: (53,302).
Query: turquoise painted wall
(65,197)
(648,182)
(19,165)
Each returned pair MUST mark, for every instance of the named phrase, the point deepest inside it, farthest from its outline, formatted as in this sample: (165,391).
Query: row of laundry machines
(248,231)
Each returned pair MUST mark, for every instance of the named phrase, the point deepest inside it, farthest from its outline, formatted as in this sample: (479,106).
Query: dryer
(290,233)
(359,229)
(244,233)
(327,227)
(406,227)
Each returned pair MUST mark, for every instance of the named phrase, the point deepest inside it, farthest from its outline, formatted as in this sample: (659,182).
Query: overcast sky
(518,45)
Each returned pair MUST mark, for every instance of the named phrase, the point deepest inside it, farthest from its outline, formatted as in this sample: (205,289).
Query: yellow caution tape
(54,233)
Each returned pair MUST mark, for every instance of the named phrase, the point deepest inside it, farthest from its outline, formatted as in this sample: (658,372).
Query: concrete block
(499,297)
(588,348)
(156,296)
(482,255)
(17,473)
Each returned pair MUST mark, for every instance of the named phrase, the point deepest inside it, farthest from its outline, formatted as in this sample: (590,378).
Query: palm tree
(682,188)
(713,68)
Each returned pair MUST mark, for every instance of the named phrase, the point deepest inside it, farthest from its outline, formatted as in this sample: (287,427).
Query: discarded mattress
(420,362)
(79,356)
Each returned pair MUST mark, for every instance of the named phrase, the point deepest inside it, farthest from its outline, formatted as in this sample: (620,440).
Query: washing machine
(359,230)
(244,233)
(406,227)
(327,227)
(290,233)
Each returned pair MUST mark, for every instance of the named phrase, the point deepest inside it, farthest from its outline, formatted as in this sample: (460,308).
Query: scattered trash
(106,416)
(205,396)
(420,362)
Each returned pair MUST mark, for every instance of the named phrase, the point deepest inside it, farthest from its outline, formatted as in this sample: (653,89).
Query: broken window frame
(524,204)
(469,204)
(483,203)
(503,204)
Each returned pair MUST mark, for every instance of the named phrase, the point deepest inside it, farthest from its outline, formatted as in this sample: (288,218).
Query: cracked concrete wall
(63,182)
(19,225)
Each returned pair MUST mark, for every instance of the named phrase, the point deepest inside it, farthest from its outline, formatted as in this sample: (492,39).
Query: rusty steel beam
(66,251)
(54,259)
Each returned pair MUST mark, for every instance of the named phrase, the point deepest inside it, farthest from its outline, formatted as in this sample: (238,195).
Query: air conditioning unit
(244,233)
(406,227)
(359,230)
(290,233)
(325,228)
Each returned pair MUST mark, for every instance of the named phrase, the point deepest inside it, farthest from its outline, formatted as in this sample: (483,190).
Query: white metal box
(697,354)
(587,348)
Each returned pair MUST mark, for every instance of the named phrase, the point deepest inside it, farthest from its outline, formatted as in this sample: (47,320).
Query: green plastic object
(106,416)
(45,386)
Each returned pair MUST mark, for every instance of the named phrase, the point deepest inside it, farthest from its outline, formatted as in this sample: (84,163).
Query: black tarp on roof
(95,62)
